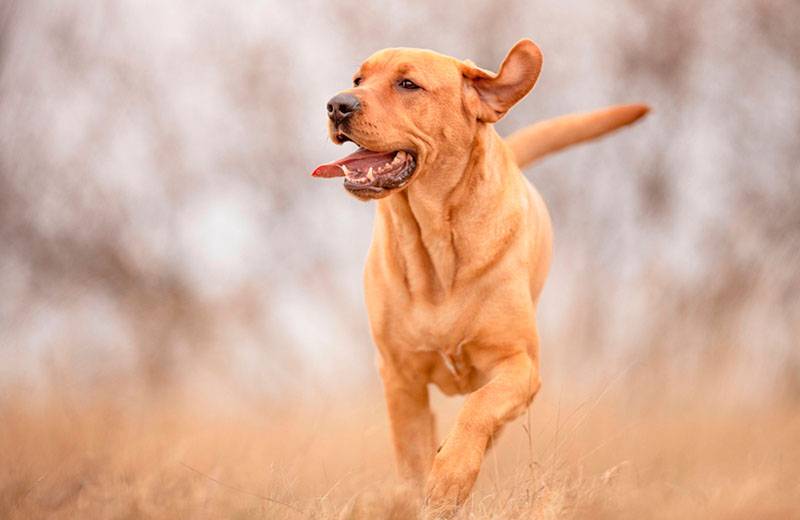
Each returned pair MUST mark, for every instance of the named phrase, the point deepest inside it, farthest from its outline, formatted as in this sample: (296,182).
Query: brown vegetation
(606,454)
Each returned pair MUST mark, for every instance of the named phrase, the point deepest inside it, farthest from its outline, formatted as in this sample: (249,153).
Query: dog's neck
(452,213)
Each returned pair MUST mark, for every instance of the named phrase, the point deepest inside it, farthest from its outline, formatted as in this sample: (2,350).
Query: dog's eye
(408,84)
(357,82)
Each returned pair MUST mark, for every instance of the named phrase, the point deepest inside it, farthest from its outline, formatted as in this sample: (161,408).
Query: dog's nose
(342,106)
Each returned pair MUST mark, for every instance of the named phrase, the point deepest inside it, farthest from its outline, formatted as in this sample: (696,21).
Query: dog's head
(409,107)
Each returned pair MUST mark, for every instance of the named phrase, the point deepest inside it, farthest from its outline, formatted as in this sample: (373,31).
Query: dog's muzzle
(341,107)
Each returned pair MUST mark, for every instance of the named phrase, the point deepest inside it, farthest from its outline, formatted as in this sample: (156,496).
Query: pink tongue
(361,160)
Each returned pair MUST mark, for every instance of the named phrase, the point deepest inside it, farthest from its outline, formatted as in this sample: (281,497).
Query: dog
(461,245)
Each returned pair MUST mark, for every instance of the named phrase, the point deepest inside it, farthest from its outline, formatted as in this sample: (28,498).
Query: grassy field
(609,453)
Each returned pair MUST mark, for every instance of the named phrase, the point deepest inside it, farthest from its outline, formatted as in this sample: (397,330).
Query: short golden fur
(460,254)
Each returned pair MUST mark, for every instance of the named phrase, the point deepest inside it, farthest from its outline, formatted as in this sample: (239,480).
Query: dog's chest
(449,362)
(454,374)
(438,328)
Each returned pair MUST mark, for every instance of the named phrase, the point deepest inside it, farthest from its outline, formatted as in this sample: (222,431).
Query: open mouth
(369,174)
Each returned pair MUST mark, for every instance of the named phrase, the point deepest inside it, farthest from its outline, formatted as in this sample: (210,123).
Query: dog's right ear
(497,93)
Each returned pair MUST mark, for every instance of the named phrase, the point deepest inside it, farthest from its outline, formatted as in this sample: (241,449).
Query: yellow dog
(461,244)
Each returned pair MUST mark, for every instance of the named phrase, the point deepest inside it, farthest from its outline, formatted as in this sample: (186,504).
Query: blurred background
(157,218)
(182,327)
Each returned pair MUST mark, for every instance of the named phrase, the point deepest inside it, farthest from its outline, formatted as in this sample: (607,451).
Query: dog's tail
(534,142)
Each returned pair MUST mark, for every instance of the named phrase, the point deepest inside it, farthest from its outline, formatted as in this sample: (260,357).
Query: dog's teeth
(344,169)
(370,174)
(401,155)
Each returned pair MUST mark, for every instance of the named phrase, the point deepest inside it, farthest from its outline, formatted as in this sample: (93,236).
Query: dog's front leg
(412,424)
(512,385)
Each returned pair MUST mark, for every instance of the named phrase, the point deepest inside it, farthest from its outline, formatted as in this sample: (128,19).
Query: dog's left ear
(497,93)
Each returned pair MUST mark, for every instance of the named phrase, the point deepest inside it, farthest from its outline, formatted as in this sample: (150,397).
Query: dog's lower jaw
(367,194)
(371,191)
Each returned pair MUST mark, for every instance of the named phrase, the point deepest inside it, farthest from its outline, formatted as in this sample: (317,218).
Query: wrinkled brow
(401,68)
(405,68)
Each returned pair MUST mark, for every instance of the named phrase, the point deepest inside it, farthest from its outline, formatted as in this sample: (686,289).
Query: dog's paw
(450,482)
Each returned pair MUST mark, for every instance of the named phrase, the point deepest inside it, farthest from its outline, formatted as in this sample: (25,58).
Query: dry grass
(612,457)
